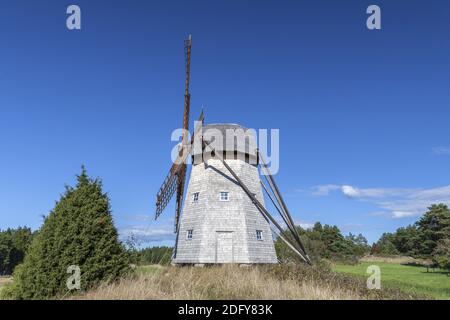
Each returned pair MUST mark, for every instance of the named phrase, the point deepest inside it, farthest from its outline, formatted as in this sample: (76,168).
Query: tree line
(428,238)
(14,244)
(325,242)
(154,255)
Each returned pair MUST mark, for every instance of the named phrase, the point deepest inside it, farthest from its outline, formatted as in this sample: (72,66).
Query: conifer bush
(78,231)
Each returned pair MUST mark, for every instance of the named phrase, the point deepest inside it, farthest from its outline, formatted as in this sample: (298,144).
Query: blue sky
(363,115)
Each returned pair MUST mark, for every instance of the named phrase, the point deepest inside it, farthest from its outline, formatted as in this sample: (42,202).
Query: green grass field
(149,269)
(407,278)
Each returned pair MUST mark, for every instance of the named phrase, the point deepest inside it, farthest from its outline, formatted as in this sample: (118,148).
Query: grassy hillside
(233,282)
(411,279)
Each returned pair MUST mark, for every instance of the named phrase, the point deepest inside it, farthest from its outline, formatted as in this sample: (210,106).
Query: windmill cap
(230,137)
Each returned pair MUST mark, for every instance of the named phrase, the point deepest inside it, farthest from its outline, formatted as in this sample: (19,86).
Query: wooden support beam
(277,194)
(258,204)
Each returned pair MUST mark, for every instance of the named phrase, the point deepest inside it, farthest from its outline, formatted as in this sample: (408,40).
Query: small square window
(224,196)
(259,235)
(189,234)
(195,196)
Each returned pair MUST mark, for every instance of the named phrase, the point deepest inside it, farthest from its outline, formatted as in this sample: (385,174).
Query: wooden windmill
(223,218)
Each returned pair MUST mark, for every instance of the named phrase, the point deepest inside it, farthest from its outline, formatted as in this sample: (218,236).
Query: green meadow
(150,269)
(412,279)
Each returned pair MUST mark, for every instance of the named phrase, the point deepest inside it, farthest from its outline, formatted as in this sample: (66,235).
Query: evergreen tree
(318,227)
(420,239)
(359,244)
(406,240)
(6,247)
(441,254)
(13,245)
(78,231)
(433,226)
(386,244)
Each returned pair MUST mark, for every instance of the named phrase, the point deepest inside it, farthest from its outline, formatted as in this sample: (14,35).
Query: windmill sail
(175,180)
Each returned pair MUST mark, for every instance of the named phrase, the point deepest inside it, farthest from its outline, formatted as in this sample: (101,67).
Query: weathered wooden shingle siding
(209,216)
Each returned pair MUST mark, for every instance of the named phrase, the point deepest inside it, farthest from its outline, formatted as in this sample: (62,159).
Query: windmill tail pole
(260,207)
(286,216)
(290,228)
(293,248)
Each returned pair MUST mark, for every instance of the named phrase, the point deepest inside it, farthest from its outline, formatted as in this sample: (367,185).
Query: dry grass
(4,281)
(233,282)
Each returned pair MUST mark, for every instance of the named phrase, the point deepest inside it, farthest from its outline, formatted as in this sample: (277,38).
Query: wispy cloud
(324,190)
(306,225)
(147,234)
(140,217)
(301,223)
(351,227)
(373,193)
(439,151)
(397,202)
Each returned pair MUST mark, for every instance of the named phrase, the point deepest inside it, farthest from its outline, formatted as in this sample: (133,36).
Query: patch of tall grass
(234,282)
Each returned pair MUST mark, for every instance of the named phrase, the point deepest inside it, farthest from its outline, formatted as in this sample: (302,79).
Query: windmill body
(222,217)
(219,222)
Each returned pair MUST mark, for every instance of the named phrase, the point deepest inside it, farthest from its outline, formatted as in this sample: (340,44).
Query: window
(189,234)
(259,235)
(195,197)
(224,196)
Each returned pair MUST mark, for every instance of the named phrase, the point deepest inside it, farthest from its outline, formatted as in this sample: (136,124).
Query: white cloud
(350,192)
(439,151)
(433,194)
(306,225)
(402,214)
(140,217)
(351,227)
(146,234)
(353,192)
(325,190)
(399,202)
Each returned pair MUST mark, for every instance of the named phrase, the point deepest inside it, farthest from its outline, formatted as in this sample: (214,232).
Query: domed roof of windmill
(230,137)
